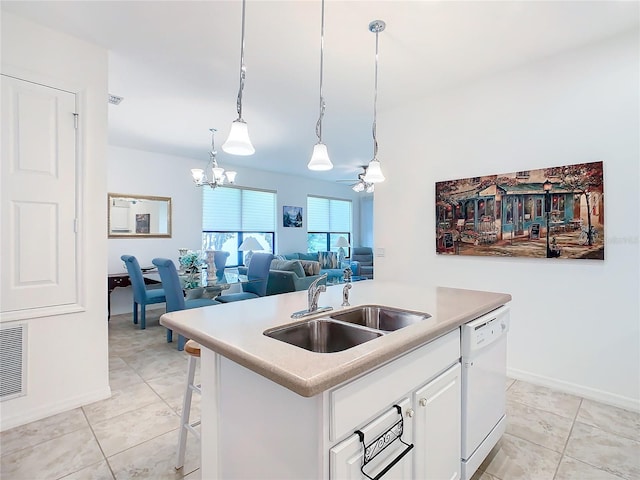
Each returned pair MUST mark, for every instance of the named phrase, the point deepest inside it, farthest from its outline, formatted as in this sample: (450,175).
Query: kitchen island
(274,410)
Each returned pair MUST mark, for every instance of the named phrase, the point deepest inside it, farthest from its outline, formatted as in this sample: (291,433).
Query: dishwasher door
(484,371)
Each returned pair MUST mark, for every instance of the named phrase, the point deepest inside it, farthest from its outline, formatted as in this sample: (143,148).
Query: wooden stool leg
(185,425)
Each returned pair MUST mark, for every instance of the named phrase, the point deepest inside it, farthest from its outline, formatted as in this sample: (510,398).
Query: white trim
(613,399)
(48,311)
(44,411)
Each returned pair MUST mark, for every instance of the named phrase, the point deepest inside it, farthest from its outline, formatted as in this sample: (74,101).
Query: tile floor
(550,435)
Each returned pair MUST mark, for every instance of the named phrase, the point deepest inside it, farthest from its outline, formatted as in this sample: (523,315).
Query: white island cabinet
(271,410)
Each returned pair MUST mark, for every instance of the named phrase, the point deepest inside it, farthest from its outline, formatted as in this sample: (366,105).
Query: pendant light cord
(243,68)
(322,104)
(375,103)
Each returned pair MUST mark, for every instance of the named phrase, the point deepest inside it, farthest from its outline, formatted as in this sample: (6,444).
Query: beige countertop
(235,330)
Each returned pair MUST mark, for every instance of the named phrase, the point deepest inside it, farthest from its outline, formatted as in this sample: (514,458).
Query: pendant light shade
(238,142)
(374,172)
(320,158)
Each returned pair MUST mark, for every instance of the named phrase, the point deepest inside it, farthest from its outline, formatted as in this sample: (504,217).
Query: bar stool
(193,349)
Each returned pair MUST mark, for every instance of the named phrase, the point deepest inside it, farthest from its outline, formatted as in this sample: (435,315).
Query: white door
(437,427)
(345,459)
(38,199)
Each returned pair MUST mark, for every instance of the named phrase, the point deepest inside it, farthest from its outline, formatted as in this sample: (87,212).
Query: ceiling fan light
(370,188)
(238,142)
(358,187)
(320,158)
(374,172)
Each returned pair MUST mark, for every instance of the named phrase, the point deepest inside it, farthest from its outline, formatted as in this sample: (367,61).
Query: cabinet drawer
(354,403)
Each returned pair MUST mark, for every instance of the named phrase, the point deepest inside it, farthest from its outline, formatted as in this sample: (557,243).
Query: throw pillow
(310,267)
(328,259)
(280,257)
(288,266)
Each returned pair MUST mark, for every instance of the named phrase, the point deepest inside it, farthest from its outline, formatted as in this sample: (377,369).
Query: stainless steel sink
(323,335)
(379,317)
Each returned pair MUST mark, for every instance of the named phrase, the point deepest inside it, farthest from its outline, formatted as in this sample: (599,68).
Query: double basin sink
(345,329)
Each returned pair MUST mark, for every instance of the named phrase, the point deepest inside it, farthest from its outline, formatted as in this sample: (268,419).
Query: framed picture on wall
(553,212)
(292,216)
(142,222)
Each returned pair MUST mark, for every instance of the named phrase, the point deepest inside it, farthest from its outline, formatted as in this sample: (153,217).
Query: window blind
(328,215)
(237,209)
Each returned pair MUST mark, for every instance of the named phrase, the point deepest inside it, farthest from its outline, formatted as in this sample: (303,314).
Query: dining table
(212,285)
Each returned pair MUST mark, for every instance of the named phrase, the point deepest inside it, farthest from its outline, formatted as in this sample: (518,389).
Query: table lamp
(341,243)
(249,245)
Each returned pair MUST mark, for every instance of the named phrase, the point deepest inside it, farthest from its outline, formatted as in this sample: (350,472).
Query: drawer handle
(372,449)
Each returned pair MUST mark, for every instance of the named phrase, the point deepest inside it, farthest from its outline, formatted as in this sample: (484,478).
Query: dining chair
(257,274)
(175,295)
(141,294)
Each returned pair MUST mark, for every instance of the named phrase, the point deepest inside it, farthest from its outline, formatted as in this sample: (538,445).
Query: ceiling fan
(360,185)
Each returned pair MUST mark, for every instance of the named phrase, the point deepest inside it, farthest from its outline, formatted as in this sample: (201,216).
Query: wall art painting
(292,216)
(555,212)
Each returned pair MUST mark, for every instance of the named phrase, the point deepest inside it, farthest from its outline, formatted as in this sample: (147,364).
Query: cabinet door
(38,198)
(437,427)
(345,459)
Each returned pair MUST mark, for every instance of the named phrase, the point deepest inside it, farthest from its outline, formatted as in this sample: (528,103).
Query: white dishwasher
(484,371)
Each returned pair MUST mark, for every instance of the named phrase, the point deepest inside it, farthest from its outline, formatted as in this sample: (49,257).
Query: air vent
(115,99)
(13,349)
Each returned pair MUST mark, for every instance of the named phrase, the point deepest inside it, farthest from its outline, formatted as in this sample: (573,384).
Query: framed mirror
(138,216)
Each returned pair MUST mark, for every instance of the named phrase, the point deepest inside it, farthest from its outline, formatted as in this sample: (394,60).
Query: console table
(122,280)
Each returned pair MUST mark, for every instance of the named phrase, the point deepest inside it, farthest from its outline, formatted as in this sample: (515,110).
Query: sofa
(328,262)
(288,276)
(364,258)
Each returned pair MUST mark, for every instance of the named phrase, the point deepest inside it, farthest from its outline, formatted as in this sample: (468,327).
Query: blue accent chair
(175,295)
(141,295)
(258,274)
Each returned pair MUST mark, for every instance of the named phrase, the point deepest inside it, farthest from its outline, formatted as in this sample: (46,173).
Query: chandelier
(218,175)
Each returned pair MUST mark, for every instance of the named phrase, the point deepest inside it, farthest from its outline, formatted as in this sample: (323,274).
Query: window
(230,215)
(327,220)
(523,174)
(538,207)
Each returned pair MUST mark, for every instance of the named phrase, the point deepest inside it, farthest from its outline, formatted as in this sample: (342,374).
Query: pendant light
(238,142)
(320,157)
(374,172)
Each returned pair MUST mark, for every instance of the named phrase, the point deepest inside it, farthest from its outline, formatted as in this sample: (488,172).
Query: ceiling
(176,63)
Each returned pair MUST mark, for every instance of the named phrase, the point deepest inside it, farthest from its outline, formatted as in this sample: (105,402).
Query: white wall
(67,355)
(146,173)
(575,323)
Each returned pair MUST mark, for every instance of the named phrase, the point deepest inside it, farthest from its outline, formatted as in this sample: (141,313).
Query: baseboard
(580,390)
(43,411)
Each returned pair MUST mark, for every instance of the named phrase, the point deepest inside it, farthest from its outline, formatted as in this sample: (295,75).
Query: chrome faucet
(313,294)
(347,287)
